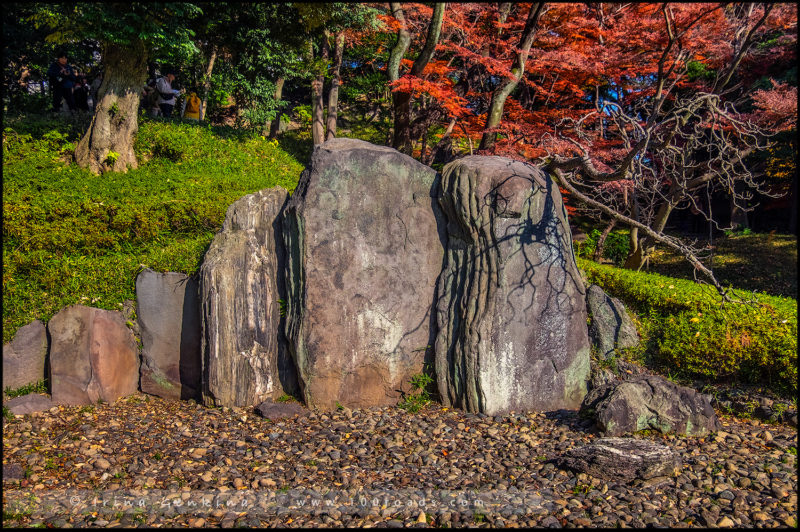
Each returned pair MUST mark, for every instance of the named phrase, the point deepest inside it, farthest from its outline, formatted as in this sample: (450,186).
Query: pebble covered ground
(146,461)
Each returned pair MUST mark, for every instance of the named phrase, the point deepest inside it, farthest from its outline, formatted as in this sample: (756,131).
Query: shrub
(692,331)
(616,247)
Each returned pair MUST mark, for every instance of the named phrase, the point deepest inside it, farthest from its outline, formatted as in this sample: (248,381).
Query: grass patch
(36,387)
(688,331)
(71,237)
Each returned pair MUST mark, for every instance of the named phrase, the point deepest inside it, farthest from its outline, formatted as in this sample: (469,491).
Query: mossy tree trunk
(333,93)
(108,143)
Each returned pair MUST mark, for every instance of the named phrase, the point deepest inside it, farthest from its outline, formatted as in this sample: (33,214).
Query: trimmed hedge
(694,333)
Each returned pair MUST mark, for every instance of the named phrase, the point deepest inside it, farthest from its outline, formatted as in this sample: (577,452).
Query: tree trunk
(642,248)
(318,106)
(508,85)
(601,242)
(333,94)
(402,100)
(275,125)
(108,143)
(207,82)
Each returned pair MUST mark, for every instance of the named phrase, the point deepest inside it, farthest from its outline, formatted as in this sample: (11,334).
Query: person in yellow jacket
(192,111)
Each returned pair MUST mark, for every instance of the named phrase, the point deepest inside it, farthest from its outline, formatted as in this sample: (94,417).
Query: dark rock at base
(511,305)
(363,254)
(611,327)
(13,472)
(649,402)
(168,310)
(24,356)
(273,411)
(622,458)
(93,355)
(32,402)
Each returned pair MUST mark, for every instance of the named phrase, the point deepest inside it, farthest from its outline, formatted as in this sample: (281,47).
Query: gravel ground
(146,461)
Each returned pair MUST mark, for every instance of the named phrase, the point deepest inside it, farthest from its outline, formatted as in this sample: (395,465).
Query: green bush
(693,332)
(72,237)
(616,248)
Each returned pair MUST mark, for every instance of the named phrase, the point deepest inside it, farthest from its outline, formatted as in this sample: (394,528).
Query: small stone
(196,523)
(207,476)
(102,463)
(421,518)
(725,522)
(238,483)
(759,516)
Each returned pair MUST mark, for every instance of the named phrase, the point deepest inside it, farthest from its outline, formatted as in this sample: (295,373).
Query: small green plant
(36,387)
(157,456)
(86,409)
(112,157)
(285,398)
(339,406)
(7,414)
(479,517)
(792,450)
(311,463)
(419,396)
(50,464)
(113,110)
(282,306)
(581,489)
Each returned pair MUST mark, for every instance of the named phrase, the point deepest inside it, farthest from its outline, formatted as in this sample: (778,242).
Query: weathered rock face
(24,356)
(364,251)
(622,458)
(511,310)
(26,404)
(241,288)
(93,355)
(611,327)
(650,402)
(168,310)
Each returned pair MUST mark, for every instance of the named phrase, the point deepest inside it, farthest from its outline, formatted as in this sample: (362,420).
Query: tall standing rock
(93,355)
(168,311)
(24,356)
(511,308)
(364,247)
(244,361)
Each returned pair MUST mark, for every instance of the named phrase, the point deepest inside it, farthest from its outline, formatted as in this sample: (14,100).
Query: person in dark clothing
(81,93)
(62,79)
(166,99)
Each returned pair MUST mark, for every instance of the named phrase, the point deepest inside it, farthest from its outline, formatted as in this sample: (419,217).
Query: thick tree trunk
(108,143)
(207,82)
(318,106)
(508,85)
(601,242)
(275,125)
(333,94)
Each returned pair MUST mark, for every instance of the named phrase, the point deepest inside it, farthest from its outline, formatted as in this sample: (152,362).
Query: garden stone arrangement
(375,270)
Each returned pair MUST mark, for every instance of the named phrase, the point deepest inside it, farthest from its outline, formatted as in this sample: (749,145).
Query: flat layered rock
(168,310)
(272,410)
(650,402)
(622,458)
(362,234)
(24,356)
(26,404)
(511,304)
(93,355)
(244,360)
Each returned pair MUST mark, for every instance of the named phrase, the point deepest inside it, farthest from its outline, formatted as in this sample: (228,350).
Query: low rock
(24,356)
(169,319)
(611,327)
(26,404)
(273,411)
(650,402)
(622,458)
(93,355)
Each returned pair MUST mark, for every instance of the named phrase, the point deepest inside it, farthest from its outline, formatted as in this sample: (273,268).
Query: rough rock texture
(511,308)
(364,247)
(93,355)
(273,411)
(168,310)
(650,402)
(622,459)
(24,356)
(244,358)
(26,404)
(611,326)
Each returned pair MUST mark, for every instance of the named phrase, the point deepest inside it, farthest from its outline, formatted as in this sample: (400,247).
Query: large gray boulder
(650,402)
(611,327)
(93,355)
(168,311)
(622,459)
(24,356)
(244,359)
(511,308)
(362,235)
